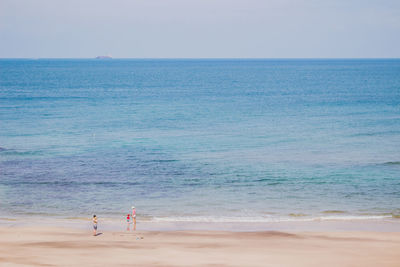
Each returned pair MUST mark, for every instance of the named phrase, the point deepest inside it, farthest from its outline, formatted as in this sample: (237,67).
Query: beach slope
(71,247)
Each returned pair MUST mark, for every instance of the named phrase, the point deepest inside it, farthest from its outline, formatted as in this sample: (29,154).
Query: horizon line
(204,58)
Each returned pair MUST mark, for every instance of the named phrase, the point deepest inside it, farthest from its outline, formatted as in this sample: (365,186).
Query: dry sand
(71,247)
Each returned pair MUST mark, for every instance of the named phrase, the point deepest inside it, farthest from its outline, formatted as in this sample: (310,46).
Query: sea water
(200,140)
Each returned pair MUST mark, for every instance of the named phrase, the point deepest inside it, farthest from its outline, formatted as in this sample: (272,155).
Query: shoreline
(55,246)
(113,224)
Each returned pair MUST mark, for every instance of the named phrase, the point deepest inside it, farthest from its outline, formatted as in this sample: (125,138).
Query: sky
(200,28)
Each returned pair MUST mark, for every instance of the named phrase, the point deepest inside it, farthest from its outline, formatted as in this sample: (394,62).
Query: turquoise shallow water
(201,140)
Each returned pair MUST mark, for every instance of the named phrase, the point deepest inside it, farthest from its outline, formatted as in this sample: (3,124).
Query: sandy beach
(47,246)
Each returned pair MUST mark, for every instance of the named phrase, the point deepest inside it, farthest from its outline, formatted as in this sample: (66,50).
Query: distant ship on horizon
(104,57)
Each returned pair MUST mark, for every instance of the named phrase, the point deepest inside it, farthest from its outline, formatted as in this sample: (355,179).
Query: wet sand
(49,246)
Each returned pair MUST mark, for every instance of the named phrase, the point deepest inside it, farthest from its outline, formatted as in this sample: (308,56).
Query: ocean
(202,140)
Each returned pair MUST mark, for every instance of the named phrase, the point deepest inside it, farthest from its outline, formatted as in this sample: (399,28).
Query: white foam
(228,219)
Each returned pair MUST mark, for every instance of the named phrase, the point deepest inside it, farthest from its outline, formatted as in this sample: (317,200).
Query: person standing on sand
(134,218)
(128,220)
(94,225)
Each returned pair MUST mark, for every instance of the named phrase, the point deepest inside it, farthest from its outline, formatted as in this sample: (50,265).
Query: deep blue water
(200,139)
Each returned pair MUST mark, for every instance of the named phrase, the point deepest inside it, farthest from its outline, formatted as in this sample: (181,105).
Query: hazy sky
(200,28)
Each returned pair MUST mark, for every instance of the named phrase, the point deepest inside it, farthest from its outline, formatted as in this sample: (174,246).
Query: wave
(293,217)
(297,215)
(13,152)
(334,211)
(21,98)
(69,183)
(394,215)
(8,219)
(162,160)
(392,163)
(290,218)
(375,133)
